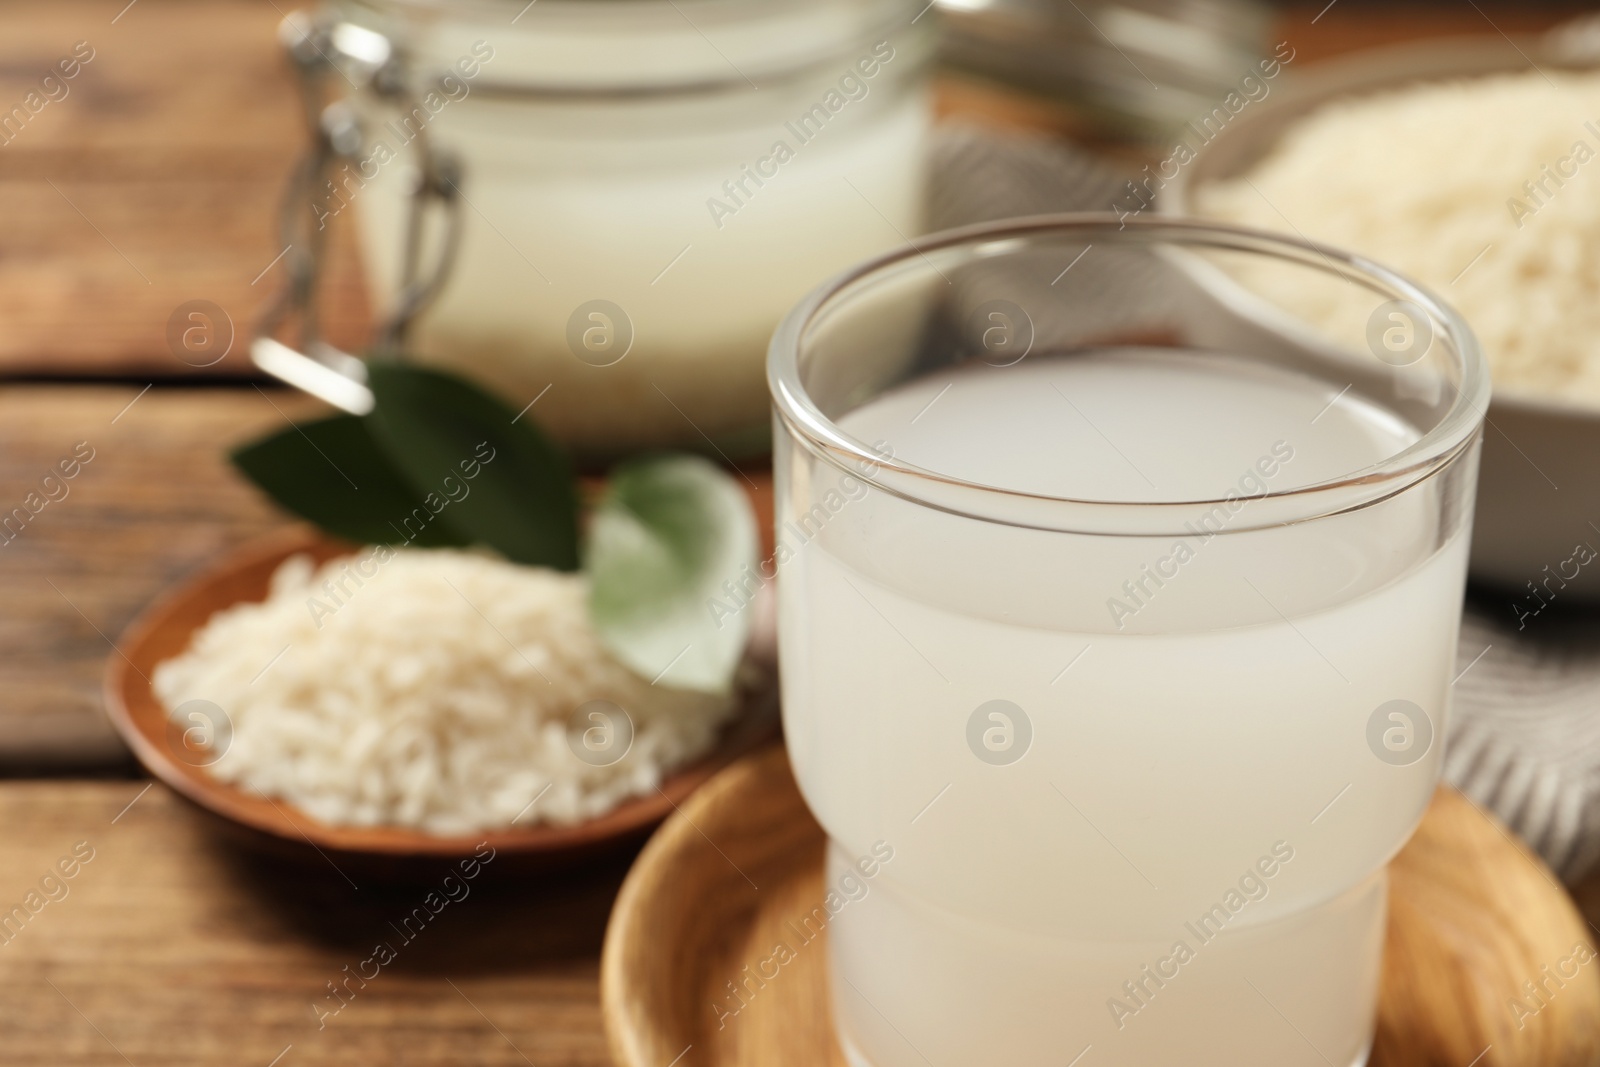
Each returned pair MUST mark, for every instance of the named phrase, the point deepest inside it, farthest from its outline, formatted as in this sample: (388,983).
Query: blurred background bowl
(1539,484)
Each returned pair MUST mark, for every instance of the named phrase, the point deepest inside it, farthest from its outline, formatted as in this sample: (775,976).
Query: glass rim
(1434,450)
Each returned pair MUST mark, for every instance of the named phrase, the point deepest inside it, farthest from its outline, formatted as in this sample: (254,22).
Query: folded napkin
(1524,740)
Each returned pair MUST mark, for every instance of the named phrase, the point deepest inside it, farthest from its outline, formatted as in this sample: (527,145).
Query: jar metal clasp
(322,49)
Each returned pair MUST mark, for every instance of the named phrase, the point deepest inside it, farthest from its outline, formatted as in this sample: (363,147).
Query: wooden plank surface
(171,142)
(152,182)
(169,948)
(156,502)
(1321,30)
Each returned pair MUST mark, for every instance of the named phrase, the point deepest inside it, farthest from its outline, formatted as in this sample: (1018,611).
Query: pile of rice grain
(432,694)
(1428,180)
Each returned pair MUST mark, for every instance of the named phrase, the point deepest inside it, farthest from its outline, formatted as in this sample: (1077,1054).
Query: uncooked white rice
(432,690)
(1428,180)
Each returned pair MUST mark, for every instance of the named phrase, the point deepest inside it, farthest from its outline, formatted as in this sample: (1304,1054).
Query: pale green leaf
(668,534)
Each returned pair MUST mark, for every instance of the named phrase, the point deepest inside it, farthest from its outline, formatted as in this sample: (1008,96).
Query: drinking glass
(1121,569)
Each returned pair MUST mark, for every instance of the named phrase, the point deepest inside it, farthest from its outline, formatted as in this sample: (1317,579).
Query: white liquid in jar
(565,210)
(1205,749)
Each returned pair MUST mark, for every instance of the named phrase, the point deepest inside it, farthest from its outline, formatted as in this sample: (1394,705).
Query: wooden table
(171,949)
(153,183)
(157,500)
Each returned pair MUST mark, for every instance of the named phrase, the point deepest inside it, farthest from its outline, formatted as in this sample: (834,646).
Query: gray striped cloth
(1524,738)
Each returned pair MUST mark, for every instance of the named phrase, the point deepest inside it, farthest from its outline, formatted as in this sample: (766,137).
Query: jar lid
(632,47)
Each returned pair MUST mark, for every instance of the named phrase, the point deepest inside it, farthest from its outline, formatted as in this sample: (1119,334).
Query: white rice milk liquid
(1183,864)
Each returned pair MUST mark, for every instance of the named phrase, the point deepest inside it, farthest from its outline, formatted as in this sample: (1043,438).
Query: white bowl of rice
(1473,166)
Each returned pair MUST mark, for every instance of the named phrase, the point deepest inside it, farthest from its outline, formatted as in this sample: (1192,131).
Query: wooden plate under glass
(1472,916)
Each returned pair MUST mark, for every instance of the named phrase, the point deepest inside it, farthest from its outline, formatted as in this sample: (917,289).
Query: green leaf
(509,487)
(332,473)
(666,536)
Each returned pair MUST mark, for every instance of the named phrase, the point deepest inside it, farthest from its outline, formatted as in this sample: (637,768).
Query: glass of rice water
(1121,569)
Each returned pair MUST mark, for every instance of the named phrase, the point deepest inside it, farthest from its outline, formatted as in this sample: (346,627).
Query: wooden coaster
(1472,916)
